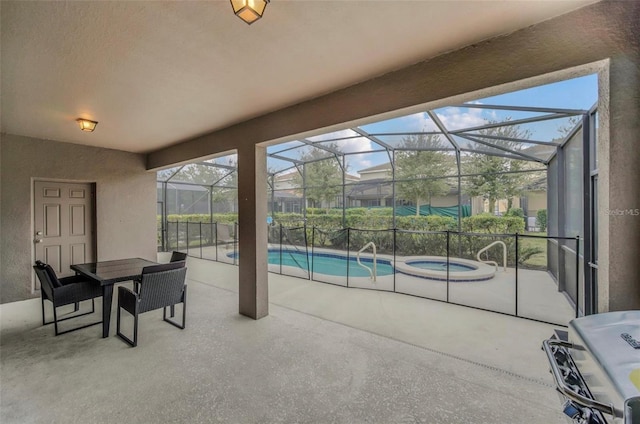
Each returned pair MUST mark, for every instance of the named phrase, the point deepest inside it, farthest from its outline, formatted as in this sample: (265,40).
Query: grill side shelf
(562,386)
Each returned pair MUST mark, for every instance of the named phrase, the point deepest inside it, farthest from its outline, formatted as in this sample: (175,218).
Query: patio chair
(65,291)
(178,258)
(161,286)
(224,234)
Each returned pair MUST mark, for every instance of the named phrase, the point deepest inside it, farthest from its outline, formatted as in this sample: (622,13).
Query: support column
(252,220)
(618,188)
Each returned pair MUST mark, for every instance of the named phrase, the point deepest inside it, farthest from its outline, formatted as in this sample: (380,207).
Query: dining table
(108,273)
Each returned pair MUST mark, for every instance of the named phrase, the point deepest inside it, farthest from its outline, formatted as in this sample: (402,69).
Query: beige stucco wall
(536,200)
(442,201)
(563,47)
(125,203)
(382,174)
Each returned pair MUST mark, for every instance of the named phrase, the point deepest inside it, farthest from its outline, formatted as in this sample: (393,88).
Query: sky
(577,93)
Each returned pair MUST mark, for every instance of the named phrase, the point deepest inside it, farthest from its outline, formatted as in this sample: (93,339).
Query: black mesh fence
(531,276)
(370,259)
(329,256)
(415,252)
(482,272)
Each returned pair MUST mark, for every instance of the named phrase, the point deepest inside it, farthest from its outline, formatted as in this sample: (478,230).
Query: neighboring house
(532,199)
(287,196)
(375,189)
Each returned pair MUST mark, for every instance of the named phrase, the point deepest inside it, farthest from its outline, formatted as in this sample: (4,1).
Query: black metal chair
(161,286)
(65,291)
(177,257)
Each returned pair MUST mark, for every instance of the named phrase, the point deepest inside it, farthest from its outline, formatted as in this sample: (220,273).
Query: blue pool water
(325,263)
(441,266)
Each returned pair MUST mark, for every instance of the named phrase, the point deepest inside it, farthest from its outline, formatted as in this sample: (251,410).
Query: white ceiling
(154,73)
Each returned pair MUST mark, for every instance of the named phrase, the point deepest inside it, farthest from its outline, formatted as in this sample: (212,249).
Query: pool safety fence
(543,279)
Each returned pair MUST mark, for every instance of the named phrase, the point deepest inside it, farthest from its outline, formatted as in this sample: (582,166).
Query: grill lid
(613,339)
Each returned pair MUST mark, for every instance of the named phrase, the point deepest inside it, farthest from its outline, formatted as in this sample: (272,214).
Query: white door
(63,224)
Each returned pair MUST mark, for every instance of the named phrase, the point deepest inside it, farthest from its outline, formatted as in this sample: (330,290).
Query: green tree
(323,176)
(497,177)
(568,126)
(417,170)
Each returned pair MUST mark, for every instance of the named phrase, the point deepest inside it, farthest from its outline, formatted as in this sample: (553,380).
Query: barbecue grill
(596,368)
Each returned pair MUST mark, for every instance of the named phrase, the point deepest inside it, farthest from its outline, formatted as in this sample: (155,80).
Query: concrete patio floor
(325,354)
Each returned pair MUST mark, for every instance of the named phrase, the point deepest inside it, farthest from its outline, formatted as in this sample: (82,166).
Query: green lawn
(539,260)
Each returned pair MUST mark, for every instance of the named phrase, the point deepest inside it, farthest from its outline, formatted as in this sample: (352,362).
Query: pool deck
(494,340)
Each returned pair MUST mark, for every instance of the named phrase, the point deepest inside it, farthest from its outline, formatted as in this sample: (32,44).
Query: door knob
(38,240)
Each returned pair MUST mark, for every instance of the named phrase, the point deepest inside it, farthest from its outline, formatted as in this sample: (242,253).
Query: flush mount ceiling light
(86,124)
(249,10)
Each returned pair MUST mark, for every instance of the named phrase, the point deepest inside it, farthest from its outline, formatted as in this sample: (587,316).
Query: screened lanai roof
(497,126)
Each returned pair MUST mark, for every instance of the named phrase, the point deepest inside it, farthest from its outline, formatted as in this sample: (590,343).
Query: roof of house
(381,167)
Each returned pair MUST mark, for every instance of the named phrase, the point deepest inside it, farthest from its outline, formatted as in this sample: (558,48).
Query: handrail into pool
(373,273)
(504,257)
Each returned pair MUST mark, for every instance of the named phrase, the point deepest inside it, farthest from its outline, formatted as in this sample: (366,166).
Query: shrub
(329,221)
(516,212)
(426,223)
(409,244)
(226,218)
(380,211)
(288,219)
(491,224)
(316,211)
(356,211)
(541,219)
(369,222)
(327,229)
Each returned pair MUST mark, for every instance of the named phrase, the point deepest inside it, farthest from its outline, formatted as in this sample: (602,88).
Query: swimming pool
(442,265)
(326,263)
(338,265)
(435,268)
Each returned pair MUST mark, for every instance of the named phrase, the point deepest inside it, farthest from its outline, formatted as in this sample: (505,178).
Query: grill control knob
(572,410)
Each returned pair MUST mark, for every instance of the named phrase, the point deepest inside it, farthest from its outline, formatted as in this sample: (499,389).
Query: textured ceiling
(156,73)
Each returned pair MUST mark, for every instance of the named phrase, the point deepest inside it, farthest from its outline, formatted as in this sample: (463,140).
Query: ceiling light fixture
(86,124)
(249,10)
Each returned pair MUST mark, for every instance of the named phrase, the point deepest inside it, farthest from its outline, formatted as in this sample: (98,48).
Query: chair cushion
(50,273)
(178,256)
(74,279)
(163,267)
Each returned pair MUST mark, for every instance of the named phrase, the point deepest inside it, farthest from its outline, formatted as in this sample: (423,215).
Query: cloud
(357,148)
(452,118)
(231,159)
(455,118)
(357,162)
(360,144)
(420,122)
